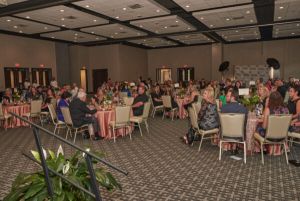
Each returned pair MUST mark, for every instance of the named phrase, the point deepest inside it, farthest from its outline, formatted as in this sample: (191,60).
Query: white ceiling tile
(154,42)
(24,26)
(114,31)
(73,36)
(286,30)
(225,17)
(240,34)
(286,10)
(196,38)
(125,9)
(167,24)
(63,16)
(192,5)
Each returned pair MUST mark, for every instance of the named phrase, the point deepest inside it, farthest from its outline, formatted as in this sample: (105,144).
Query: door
(41,76)
(15,77)
(99,77)
(185,74)
(163,74)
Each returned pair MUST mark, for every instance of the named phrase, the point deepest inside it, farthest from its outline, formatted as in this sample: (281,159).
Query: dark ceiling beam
(221,7)
(188,17)
(264,10)
(31,5)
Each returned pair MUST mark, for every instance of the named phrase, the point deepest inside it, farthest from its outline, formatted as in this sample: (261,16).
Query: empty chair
(4,117)
(155,108)
(128,101)
(35,110)
(54,103)
(69,123)
(232,130)
(292,136)
(122,120)
(167,103)
(142,119)
(277,132)
(205,134)
(58,124)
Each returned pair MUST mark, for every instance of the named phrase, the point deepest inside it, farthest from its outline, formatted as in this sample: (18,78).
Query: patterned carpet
(161,167)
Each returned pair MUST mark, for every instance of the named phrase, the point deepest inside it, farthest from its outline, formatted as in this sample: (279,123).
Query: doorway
(14,77)
(163,74)
(99,77)
(185,74)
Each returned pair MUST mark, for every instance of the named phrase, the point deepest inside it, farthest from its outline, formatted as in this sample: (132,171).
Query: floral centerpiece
(107,100)
(250,102)
(16,96)
(181,93)
(32,186)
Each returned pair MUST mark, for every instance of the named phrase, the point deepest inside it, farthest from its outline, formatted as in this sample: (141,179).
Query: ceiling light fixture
(281,7)
(52,37)
(20,31)
(92,32)
(15,27)
(95,20)
(27,17)
(87,6)
(298,25)
(236,31)
(248,12)
(227,19)
(157,10)
(251,21)
(97,38)
(293,33)
(117,17)
(187,6)
(46,28)
(189,28)
(62,10)
(63,25)
(279,17)
(124,8)
(176,21)
(201,18)
(211,25)
(62,19)
(8,20)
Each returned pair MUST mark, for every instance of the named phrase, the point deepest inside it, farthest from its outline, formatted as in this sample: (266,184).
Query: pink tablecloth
(182,113)
(104,117)
(19,110)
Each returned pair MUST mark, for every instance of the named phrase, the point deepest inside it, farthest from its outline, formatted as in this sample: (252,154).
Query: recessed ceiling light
(87,6)
(112,36)
(52,37)
(187,6)
(15,27)
(8,20)
(176,21)
(281,7)
(165,27)
(121,28)
(117,17)
(201,18)
(211,25)
(63,25)
(20,31)
(293,33)
(45,27)
(157,10)
(95,20)
(141,26)
(189,28)
(124,8)
(92,32)
(27,17)
(298,25)
(62,10)
(97,38)
(248,12)
(116,33)
(76,34)
(227,19)
(62,19)
(251,20)
(236,31)
(279,17)
(156,31)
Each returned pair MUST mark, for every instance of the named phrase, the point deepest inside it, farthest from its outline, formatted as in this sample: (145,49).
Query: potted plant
(32,186)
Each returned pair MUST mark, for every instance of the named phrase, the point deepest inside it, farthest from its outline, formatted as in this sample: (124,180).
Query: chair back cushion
(1,110)
(128,100)
(278,126)
(36,107)
(67,115)
(232,125)
(167,101)
(123,94)
(52,113)
(146,110)
(193,117)
(54,103)
(122,114)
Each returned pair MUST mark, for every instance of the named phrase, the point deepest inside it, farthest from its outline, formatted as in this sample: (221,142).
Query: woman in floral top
(275,106)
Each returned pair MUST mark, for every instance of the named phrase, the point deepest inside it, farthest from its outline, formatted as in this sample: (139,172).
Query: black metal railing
(88,157)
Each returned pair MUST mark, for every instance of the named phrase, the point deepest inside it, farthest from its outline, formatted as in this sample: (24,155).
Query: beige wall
(27,52)
(198,57)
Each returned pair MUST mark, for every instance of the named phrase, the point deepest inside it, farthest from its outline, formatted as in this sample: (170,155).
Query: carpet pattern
(161,167)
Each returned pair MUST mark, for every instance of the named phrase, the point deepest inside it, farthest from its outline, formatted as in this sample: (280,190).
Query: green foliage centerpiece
(33,187)
(250,102)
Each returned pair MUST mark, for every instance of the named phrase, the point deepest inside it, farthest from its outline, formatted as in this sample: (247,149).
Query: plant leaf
(16,195)
(52,154)
(36,155)
(34,189)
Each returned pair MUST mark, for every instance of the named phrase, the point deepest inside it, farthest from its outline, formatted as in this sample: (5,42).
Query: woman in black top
(294,102)
(156,96)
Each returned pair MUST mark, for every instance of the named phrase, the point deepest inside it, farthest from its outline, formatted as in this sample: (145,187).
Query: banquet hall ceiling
(152,23)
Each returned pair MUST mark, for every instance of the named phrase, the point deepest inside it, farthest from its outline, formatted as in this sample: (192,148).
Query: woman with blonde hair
(263,93)
(208,114)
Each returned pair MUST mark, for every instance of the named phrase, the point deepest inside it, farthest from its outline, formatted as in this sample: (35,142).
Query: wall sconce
(83,78)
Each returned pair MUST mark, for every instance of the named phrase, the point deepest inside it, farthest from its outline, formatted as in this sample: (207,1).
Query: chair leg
(5,124)
(262,153)
(163,115)
(173,114)
(129,132)
(41,120)
(68,130)
(200,143)
(114,133)
(153,113)
(55,129)
(75,135)
(245,154)
(147,126)
(140,129)
(220,151)
(286,156)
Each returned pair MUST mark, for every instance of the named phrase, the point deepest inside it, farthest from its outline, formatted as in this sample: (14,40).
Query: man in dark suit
(81,115)
(233,106)
(139,101)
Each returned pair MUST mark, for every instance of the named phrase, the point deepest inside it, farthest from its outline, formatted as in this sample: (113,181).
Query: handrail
(89,156)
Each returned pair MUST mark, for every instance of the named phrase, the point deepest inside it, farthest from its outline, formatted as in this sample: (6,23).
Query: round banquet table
(19,110)
(104,117)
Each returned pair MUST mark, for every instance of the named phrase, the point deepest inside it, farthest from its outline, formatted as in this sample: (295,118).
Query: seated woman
(193,96)
(49,97)
(263,94)
(169,92)
(63,102)
(99,96)
(295,125)
(7,98)
(156,96)
(33,95)
(208,117)
(275,106)
(294,102)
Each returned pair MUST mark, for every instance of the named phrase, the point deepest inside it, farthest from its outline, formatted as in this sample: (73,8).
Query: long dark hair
(275,100)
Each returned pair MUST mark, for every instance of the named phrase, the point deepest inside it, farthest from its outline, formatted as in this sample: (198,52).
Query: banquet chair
(143,118)
(69,123)
(122,119)
(128,101)
(232,130)
(54,103)
(218,105)
(35,111)
(58,124)
(292,136)
(168,106)
(277,133)
(205,134)
(123,94)
(4,117)
(155,108)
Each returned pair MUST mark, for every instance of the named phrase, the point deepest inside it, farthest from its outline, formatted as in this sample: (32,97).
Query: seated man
(233,106)
(79,111)
(138,103)
(156,96)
